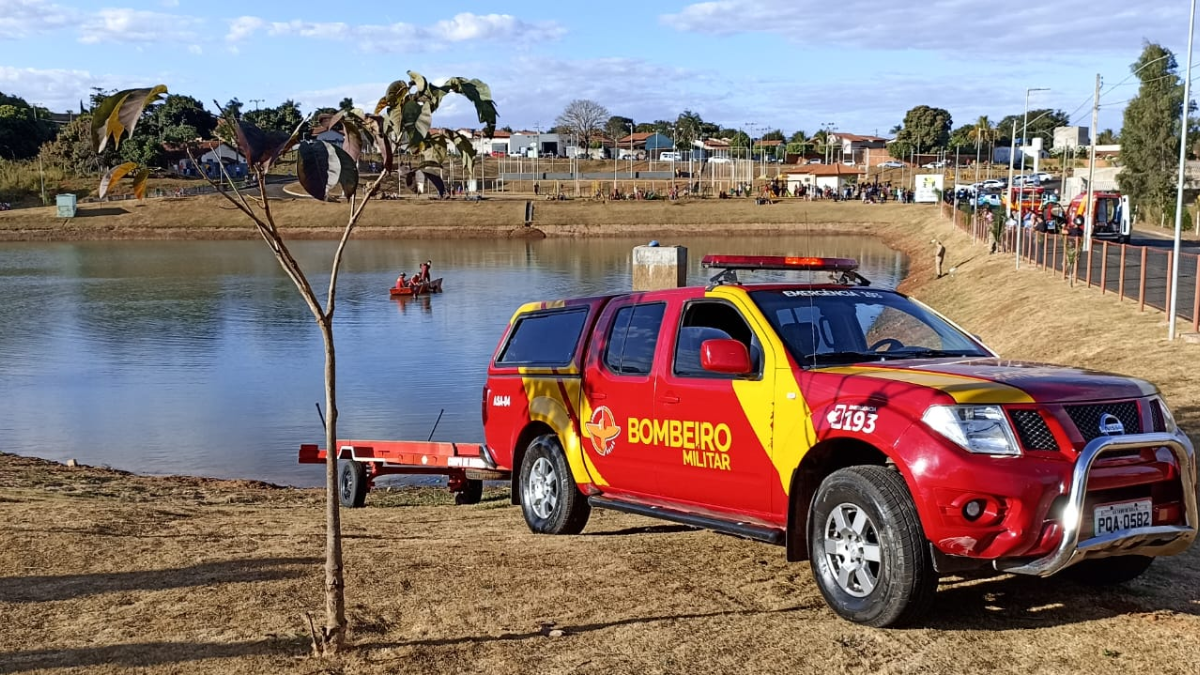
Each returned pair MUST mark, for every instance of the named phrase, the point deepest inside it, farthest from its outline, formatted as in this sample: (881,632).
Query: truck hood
(994,380)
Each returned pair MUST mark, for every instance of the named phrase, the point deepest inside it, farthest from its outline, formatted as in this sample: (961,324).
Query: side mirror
(1079,221)
(729,357)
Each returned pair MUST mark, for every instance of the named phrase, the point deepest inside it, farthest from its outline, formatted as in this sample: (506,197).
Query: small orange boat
(434,286)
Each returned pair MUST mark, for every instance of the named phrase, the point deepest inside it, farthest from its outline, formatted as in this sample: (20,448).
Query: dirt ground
(107,572)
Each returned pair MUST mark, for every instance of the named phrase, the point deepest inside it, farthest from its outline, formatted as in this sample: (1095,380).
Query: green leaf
(415,120)
(139,184)
(114,176)
(117,115)
(261,148)
(419,81)
(321,165)
(396,92)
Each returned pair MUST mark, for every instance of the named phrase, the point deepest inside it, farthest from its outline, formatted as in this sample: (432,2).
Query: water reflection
(200,358)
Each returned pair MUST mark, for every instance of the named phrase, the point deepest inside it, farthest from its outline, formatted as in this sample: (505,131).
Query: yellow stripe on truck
(962,388)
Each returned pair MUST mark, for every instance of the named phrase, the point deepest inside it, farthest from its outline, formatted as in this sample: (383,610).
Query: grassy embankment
(106,572)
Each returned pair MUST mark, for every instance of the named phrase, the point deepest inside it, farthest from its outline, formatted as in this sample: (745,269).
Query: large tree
(1150,134)
(400,127)
(583,119)
(23,127)
(926,128)
(283,117)
(617,126)
(1042,123)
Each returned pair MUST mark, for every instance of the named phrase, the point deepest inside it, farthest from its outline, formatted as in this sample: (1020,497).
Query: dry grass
(212,217)
(106,572)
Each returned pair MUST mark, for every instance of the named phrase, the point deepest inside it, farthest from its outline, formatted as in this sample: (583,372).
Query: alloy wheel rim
(852,550)
(541,490)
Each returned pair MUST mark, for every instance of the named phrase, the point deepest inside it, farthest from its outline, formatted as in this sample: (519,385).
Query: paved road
(1121,271)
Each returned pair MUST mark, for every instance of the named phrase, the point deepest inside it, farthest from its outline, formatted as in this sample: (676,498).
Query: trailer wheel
(471,493)
(550,500)
(352,483)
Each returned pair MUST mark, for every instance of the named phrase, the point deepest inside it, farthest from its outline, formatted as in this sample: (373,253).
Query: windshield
(830,326)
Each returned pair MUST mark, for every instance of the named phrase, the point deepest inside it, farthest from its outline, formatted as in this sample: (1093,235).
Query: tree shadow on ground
(147,654)
(1021,602)
(575,629)
(246,570)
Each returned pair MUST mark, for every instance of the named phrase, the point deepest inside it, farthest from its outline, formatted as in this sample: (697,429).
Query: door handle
(598,396)
(668,398)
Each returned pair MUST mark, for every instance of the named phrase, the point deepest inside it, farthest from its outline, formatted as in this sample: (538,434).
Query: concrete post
(659,267)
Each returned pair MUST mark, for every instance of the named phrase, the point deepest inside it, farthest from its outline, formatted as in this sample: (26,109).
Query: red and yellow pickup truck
(852,425)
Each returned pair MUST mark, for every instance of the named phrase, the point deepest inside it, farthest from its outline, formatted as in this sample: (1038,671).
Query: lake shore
(213,218)
(107,571)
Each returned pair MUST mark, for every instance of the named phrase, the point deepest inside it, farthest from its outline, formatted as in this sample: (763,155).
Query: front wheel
(869,554)
(550,501)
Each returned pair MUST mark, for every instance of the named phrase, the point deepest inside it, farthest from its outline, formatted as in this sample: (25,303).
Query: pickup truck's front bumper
(1155,540)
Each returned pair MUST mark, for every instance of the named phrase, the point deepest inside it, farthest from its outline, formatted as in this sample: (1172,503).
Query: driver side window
(892,325)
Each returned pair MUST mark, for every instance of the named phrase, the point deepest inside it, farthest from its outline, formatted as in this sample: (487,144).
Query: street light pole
(630,125)
(1187,83)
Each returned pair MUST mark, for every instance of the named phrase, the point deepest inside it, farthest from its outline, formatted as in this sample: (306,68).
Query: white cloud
(54,88)
(243,27)
(468,26)
(310,29)
(195,49)
(942,25)
(136,26)
(405,37)
(22,18)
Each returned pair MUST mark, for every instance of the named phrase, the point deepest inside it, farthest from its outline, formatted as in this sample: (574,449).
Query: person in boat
(422,277)
(402,280)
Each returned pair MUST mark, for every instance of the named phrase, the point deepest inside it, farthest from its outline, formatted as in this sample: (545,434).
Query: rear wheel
(1108,571)
(352,483)
(869,554)
(550,501)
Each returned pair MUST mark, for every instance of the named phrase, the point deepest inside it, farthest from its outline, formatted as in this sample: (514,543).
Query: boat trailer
(466,465)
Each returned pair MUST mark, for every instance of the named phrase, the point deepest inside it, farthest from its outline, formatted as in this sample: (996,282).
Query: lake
(199,358)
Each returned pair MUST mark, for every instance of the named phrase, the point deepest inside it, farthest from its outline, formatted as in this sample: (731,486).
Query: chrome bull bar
(1153,540)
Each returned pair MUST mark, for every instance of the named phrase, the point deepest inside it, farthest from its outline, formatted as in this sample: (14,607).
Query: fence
(1141,274)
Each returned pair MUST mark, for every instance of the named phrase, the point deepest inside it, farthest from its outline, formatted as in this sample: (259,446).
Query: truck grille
(1032,430)
(1087,417)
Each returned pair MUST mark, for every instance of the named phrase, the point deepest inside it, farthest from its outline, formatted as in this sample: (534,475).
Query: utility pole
(1177,263)
(1087,225)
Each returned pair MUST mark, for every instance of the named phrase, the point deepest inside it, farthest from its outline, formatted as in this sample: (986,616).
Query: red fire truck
(853,426)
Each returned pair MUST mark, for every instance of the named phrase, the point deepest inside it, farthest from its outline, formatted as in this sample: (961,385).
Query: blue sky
(789,64)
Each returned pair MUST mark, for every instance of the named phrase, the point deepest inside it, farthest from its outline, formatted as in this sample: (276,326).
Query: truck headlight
(981,429)
(1169,424)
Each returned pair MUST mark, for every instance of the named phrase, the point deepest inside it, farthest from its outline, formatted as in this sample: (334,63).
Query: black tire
(471,493)
(352,483)
(1108,571)
(550,500)
(899,586)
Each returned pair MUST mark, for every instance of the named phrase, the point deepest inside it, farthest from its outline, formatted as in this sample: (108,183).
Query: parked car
(1044,177)
(892,164)
(989,200)
(940,164)
(719,160)
(993,184)
(671,156)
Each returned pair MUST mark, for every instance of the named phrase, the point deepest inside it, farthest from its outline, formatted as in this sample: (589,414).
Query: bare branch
(337,256)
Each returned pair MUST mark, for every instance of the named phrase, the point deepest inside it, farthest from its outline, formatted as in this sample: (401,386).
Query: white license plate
(1109,518)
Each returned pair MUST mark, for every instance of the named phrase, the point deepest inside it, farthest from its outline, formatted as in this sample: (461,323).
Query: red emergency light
(778,262)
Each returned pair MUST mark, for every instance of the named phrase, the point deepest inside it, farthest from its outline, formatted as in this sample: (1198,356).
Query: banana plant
(114,119)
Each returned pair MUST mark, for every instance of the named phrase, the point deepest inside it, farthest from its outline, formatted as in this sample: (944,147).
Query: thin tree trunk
(335,599)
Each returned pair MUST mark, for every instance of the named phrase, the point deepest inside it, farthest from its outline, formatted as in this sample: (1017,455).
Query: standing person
(535,188)
(939,256)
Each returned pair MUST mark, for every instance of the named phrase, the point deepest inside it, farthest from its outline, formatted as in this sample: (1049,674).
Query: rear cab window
(633,339)
(548,338)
